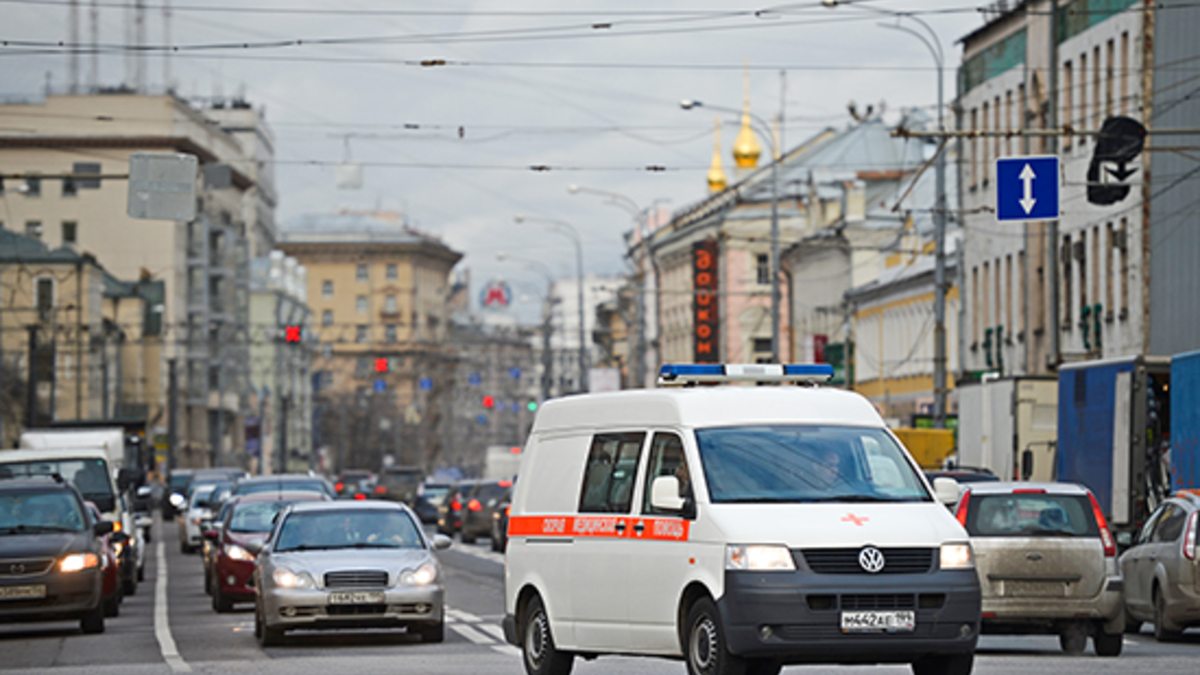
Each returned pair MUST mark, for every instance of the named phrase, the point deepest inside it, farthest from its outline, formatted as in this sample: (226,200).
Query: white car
(199,511)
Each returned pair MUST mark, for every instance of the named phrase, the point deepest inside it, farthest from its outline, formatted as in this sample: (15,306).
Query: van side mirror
(664,494)
(946,490)
(1026,464)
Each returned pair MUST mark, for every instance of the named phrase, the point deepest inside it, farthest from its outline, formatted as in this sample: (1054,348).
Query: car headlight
(758,558)
(285,578)
(957,557)
(118,548)
(236,552)
(176,500)
(422,576)
(78,561)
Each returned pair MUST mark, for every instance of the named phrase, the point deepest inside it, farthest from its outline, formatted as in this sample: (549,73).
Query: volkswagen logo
(16,568)
(871,559)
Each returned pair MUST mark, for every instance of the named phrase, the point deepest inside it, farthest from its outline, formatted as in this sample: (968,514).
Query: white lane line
(162,629)
(471,634)
(493,630)
(507,650)
(463,616)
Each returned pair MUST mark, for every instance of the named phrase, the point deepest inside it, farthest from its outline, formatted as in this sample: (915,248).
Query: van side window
(666,459)
(610,472)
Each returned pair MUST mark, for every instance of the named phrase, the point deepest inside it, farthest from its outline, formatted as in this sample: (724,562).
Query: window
(361,273)
(666,459)
(1081,119)
(1020,291)
(1066,282)
(1123,267)
(327,317)
(977,308)
(392,272)
(974,149)
(44,297)
(70,231)
(1124,73)
(327,288)
(984,142)
(322,379)
(86,168)
(1081,255)
(1097,105)
(360,304)
(33,187)
(1108,271)
(1008,121)
(1024,515)
(1109,58)
(1068,88)
(363,367)
(69,187)
(33,229)
(610,472)
(763,268)
(389,332)
(1008,293)
(1170,524)
(360,334)
(389,304)
(996,117)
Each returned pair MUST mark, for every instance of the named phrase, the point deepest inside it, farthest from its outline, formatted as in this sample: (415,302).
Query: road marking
(471,634)
(162,629)
(463,616)
(479,631)
(493,630)
(507,650)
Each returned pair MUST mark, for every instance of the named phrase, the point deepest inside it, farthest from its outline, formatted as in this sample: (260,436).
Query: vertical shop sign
(704,304)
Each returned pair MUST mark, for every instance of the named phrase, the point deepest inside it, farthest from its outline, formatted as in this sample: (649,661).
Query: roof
(1006,487)
(19,248)
(348,505)
(280,496)
(353,227)
(708,407)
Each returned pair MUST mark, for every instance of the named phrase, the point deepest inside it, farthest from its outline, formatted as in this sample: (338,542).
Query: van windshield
(806,463)
(90,476)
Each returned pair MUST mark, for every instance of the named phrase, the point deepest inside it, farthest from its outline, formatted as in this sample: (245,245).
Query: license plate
(874,622)
(356,598)
(1035,589)
(22,592)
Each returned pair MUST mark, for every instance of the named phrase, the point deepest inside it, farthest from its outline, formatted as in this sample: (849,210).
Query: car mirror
(1026,465)
(664,494)
(946,490)
(212,535)
(102,528)
(145,491)
(127,478)
(441,542)
(120,537)
(255,546)
(1124,539)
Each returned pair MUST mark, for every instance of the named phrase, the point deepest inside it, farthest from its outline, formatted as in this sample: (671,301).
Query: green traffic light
(532,406)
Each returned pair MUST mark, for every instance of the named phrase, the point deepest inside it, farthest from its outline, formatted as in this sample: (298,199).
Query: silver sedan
(348,565)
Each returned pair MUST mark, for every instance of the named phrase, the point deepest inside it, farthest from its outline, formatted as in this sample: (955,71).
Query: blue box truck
(1185,421)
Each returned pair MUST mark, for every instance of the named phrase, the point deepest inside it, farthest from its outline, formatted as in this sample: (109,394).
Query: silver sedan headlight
(422,576)
(285,578)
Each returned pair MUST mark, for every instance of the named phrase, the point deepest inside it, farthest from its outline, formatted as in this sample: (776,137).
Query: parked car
(288,482)
(450,511)
(500,525)
(50,550)
(429,498)
(348,565)
(246,518)
(963,474)
(355,484)
(112,590)
(1046,562)
(482,502)
(201,509)
(176,497)
(1162,570)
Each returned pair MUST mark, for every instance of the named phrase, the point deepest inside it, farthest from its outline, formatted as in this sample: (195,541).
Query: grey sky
(522,99)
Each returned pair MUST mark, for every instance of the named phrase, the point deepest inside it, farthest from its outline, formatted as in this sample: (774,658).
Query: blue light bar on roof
(688,373)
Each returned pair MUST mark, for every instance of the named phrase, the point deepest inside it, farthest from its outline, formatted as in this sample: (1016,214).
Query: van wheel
(1073,639)
(1161,632)
(706,652)
(537,644)
(944,664)
(763,667)
(1106,644)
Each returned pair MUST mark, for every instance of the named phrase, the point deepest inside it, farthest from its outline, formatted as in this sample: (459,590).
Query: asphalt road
(169,627)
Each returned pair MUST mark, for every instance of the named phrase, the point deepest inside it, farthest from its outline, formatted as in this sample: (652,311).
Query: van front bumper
(795,617)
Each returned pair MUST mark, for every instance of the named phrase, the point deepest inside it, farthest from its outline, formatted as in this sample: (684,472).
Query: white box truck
(1009,426)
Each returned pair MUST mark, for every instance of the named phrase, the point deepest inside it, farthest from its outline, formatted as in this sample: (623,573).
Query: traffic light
(381,365)
(488,401)
(291,333)
(532,406)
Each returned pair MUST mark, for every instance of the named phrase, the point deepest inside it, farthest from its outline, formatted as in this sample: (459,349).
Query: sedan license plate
(356,598)
(876,622)
(22,592)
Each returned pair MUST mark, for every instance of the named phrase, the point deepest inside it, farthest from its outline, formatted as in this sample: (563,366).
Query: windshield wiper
(858,498)
(32,529)
(307,547)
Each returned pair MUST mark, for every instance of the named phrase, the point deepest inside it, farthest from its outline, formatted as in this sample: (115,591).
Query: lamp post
(563,227)
(639,214)
(934,45)
(547,314)
(765,130)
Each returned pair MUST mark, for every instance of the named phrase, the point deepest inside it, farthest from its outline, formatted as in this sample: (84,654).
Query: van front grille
(879,601)
(845,560)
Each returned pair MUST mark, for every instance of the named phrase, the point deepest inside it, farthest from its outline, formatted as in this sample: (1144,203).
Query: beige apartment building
(49,151)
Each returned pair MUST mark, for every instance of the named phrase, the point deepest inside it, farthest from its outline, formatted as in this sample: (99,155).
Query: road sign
(162,186)
(380,386)
(1027,188)
(425,383)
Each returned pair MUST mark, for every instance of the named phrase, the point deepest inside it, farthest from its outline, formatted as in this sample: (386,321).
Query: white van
(739,528)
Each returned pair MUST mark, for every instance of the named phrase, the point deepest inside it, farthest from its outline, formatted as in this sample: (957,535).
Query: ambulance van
(738,528)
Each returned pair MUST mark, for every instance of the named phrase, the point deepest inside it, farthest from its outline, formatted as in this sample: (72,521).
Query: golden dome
(746,148)
(716,175)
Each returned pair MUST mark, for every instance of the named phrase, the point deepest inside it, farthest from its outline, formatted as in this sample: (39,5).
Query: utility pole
(282,446)
(172,412)
(1052,227)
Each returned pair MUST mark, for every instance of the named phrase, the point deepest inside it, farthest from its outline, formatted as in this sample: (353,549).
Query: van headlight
(285,578)
(758,557)
(957,557)
(422,576)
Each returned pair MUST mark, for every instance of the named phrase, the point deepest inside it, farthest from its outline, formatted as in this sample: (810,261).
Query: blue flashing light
(679,373)
(671,370)
(808,369)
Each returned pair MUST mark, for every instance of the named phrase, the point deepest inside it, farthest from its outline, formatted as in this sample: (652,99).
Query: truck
(501,462)
(110,440)
(1185,421)
(1008,426)
(1114,435)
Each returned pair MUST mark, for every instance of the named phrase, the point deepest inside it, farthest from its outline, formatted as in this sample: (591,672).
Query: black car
(176,490)
(450,511)
(50,554)
(287,482)
(481,504)
(500,525)
(429,497)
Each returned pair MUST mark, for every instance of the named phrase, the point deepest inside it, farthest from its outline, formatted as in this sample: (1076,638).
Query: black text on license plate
(22,592)
(356,598)
(895,621)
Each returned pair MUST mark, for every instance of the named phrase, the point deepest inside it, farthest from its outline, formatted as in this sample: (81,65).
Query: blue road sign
(380,386)
(474,379)
(515,373)
(1027,188)
(425,383)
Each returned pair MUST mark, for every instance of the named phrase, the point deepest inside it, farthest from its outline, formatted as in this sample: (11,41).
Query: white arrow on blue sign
(1027,188)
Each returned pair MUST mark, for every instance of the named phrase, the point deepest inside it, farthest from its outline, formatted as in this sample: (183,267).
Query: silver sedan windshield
(315,530)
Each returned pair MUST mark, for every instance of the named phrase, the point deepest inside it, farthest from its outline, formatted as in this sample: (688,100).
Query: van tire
(944,664)
(538,651)
(705,649)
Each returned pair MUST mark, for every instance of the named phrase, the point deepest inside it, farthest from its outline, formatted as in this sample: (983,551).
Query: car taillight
(339,487)
(1029,491)
(963,504)
(1189,537)
(508,510)
(359,496)
(380,490)
(474,505)
(456,505)
(1110,548)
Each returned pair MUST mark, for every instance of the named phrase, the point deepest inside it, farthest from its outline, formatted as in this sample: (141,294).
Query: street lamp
(934,45)
(547,315)
(563,227)
(639,214)
(776,156)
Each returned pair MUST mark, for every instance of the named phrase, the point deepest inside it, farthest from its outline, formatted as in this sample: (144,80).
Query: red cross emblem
(851,518)
(293,334)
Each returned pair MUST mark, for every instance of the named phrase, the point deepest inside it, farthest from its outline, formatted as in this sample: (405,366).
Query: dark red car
(112,590)
(249,517)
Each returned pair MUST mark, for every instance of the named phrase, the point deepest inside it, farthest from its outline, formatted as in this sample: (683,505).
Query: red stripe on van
(656,529)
